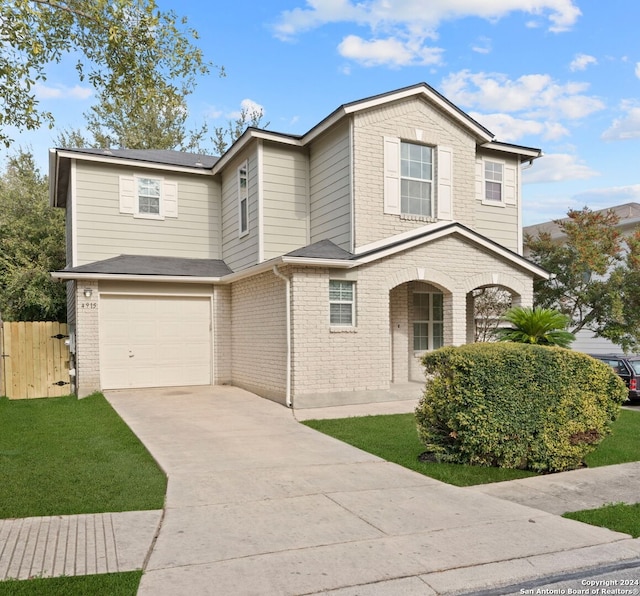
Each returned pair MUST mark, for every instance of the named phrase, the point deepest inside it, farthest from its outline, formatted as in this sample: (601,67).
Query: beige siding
(285,205)
(330,188)
(414,121)
(103,232)
(240,252)
(259,348)
(499,222)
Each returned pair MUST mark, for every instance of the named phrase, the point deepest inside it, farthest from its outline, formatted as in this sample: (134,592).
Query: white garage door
(154,341)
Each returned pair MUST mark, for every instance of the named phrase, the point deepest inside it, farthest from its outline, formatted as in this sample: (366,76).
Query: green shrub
(516,405)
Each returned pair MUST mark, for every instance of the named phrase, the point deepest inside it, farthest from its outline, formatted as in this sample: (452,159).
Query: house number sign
(89,305)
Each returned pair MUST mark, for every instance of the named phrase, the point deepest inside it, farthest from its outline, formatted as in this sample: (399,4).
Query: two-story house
(311,269)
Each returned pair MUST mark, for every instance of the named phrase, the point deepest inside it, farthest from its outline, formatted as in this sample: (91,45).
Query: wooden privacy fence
(34,360)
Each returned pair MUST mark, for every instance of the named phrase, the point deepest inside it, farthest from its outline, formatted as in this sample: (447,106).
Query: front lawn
(394,438)
(618,517)
(62,456)
(113,584)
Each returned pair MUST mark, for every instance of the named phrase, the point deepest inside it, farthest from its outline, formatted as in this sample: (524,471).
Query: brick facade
(333,365)
(402,119)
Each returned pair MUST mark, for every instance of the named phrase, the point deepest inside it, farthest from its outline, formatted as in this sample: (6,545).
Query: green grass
(394,438)
(63,456)
(618,517)
(622,445)
(111,584)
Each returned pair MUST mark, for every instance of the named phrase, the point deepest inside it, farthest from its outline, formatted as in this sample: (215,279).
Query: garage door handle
(131,354)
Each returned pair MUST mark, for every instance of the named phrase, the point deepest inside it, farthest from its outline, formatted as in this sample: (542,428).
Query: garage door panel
(154,341)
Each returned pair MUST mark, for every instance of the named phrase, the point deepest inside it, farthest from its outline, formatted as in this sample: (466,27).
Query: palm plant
(543,326)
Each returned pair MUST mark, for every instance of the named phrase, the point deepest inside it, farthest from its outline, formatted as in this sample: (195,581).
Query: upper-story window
(148,197)
(416,179)
(493,179)
(243,199)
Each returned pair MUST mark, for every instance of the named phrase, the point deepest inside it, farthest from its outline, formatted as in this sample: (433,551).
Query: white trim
(287,282)
(71,195)
(452,228)
(260,165)
(244,165)
(526,153)
(352,191)
(489,202)
(400,237)
(352,324)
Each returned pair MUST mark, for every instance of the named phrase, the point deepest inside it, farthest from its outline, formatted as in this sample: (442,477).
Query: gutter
(287,282)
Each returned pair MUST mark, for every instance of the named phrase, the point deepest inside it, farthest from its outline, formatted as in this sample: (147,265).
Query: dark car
(627,368)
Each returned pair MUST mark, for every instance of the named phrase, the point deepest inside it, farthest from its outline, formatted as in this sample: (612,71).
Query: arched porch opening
(420,319)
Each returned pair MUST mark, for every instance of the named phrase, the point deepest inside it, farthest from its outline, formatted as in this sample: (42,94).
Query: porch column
(458,318)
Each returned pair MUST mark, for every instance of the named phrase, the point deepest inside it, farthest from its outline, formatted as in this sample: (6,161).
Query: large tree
(595,275)
(31,245)
(124,47)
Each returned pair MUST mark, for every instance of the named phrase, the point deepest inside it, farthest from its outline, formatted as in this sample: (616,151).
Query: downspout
(287,282)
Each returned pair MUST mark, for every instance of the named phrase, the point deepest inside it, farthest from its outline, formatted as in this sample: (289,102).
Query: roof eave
(85,276)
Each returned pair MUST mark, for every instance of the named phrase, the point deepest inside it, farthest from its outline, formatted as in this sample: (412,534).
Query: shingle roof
(143,265)
(624,212)
(158,156)
(324,249)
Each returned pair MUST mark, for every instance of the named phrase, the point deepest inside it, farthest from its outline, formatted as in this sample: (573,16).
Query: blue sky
(561,75)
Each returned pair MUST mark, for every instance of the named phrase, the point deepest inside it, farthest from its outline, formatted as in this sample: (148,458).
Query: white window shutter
(170,198)
(445,183)
(510,184)
(127,194)
(392,175)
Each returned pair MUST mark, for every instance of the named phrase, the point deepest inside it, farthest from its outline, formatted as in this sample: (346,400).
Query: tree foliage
(31,245)
(123,45)
(542,326)
(595,276)
(489,306)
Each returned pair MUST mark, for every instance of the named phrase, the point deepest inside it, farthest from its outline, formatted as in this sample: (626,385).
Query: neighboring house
(629,216)
(312,269)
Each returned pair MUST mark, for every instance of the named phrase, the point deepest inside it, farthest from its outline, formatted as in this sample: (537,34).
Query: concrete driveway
(260,504)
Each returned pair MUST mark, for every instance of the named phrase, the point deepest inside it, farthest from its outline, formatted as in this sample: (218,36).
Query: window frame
(341,301)
(431,181)
(243,199)
(430,322)
(486,180)
(137,180)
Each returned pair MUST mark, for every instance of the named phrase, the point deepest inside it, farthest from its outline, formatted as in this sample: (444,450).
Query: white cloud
(557,167)
(535,95)
(482,46)
(391,51)
(624,128)
(62,92)
(398,27)
(508,128)
(601,198)
(250,107)
(378,14)
(581,61)
(638,69)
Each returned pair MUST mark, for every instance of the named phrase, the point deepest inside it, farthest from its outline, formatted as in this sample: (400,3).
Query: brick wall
(258,351)
(87,339)
(331,361)
(401,119)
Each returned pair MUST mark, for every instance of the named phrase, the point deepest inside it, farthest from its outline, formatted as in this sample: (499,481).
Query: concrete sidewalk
(259,504)
(76,544)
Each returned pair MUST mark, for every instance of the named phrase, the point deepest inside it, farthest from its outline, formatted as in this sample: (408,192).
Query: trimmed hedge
(516,406)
